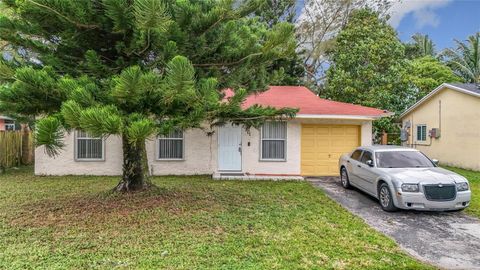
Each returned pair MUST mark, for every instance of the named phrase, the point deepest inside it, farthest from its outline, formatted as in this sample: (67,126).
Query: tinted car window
(366,156)
(402,159)
(356,155)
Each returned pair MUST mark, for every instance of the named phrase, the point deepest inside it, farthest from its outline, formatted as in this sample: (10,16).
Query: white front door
(230,148)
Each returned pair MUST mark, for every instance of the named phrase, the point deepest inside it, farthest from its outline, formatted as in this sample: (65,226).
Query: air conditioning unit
(434,133)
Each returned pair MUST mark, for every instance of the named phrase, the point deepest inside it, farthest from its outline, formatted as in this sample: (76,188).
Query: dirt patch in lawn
(109,206)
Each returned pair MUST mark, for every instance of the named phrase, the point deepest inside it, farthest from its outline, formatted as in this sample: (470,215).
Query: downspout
(440,116)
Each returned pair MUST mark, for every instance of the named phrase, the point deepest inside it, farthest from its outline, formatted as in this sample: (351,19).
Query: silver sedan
(401,177)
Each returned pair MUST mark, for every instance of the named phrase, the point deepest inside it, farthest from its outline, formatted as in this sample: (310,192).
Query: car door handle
(359,166)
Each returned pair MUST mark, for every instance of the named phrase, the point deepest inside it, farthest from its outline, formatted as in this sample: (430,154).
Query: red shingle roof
(306,101)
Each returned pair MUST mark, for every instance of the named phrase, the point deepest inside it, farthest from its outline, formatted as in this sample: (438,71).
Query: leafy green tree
(139,68)
(465,58)
(317,27)
(368,65)
(421,46)
(427,73)
(275,11)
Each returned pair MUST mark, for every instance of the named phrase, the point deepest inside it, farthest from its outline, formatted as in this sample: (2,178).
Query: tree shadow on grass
(110,206)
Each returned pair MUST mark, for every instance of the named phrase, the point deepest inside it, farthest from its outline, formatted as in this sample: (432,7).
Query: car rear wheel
(385,198)
(344,178)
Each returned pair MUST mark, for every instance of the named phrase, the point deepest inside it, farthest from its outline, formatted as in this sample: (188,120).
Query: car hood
(434,175)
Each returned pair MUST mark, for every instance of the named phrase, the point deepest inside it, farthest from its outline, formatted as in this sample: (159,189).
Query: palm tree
(465,58)
(424,44)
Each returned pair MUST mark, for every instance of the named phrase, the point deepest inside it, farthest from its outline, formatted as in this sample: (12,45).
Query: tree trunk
(135,168)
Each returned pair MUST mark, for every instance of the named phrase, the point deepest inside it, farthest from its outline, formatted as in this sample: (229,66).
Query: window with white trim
(171,146)
(273,140)
(88,147)
(421,133)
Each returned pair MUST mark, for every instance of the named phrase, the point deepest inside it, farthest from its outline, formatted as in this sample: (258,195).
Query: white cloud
(423,12)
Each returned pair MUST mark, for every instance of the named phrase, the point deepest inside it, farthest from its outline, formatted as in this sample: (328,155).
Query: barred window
(9,125)
(421,133)
(88,147)
(273,140)
(170,146)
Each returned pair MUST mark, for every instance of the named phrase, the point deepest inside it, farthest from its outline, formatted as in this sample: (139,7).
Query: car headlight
(463,186)
(410,187)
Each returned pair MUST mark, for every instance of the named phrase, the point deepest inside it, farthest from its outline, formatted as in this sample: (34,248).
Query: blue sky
(442,20)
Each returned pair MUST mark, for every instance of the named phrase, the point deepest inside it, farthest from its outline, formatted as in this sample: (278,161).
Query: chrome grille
(440,192)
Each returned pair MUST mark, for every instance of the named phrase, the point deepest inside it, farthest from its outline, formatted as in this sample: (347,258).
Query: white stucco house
(308,145)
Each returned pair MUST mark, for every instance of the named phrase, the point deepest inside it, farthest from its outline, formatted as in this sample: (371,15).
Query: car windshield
(402,159)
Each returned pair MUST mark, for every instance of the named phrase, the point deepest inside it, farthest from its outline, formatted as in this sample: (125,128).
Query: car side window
(356,155)
(366,156)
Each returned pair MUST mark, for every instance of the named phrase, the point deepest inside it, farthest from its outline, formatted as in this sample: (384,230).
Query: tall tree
(275,11)
(464,59)
(421,46)
(319,24)
(139,68)
(427,73)
(284,71)
(368,65)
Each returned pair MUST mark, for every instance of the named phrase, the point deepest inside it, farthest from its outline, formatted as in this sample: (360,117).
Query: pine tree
(136,68)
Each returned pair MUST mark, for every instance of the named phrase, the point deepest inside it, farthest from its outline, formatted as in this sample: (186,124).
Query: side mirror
(435,161)
(369,163)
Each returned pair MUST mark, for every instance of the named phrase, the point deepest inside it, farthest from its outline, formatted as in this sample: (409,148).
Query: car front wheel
(385,198)
(344,178)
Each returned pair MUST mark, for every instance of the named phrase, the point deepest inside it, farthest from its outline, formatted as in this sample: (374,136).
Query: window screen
(274,135)
(421,133)
(88,147)
(170,146)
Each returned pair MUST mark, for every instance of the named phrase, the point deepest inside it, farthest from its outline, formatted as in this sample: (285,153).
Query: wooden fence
(16,148)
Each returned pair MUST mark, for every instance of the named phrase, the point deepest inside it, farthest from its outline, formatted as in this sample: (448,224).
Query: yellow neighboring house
(445,125)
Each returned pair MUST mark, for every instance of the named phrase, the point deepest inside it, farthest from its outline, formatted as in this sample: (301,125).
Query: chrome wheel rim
(344,178)
(384,197)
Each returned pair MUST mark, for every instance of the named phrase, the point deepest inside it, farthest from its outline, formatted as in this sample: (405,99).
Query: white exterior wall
(200,154)
(65,163)
(366,130)
(252,164)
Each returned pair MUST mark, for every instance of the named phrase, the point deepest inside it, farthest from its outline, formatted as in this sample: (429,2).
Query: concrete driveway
(448,240)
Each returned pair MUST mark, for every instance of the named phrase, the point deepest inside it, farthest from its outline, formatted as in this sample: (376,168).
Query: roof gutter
(343,116)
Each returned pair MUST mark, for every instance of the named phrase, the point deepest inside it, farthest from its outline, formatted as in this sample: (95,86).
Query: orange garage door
(322,146)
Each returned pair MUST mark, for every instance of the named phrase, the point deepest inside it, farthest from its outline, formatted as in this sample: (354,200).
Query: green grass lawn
(474,180)
(187,223)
